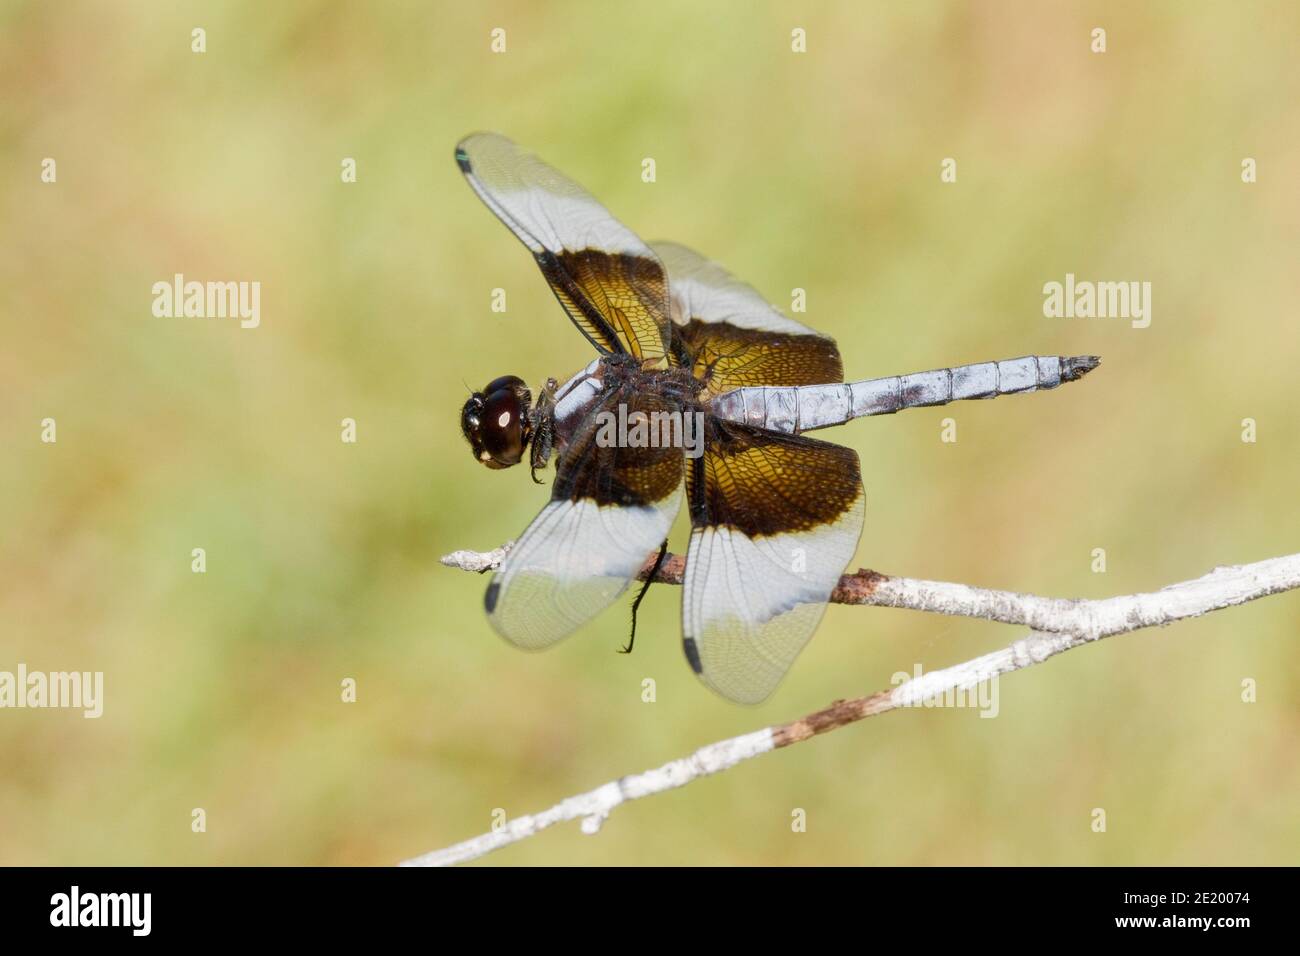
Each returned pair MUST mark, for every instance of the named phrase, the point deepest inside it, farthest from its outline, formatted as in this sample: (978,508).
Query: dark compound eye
(495,421)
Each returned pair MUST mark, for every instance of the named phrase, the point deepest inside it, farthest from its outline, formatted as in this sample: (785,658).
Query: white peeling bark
(1057,624)
(594,806)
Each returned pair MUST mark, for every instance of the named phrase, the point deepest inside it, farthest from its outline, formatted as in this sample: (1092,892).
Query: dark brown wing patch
(725,357)
(622,476)
(618,300)
(765,483)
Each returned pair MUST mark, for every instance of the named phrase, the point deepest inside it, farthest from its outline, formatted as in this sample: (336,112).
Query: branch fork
(1056,625)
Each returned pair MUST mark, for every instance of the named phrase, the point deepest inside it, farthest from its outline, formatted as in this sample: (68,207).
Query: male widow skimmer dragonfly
(775,515)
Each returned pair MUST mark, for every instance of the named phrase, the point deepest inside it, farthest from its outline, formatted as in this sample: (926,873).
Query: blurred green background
(819,171)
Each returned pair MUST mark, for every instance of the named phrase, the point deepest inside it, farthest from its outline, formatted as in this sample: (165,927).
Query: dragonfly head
(496,422)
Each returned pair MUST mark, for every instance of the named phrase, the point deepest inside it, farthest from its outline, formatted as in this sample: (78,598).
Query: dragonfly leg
(649,579)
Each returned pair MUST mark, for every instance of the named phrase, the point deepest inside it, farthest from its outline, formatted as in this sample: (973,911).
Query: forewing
(610,508)
(608,280)
(775,520)
(736,338)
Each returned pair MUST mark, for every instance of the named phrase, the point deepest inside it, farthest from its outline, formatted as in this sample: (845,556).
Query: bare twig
(1057,625)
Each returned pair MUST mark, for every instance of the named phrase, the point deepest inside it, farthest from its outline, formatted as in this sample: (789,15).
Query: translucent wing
(774,521)
(733,336)
(610,508)
(607,279)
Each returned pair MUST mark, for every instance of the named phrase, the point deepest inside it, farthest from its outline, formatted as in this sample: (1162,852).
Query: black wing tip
(462,159)
(692,654)
(490,596)
(1078,366)
(462,153)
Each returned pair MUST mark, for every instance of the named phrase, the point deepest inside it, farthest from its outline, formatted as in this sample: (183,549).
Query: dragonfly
(775,515)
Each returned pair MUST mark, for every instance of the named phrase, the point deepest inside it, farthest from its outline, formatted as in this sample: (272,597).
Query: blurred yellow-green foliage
(816,170)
